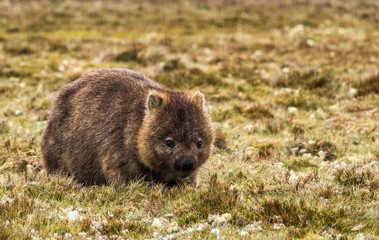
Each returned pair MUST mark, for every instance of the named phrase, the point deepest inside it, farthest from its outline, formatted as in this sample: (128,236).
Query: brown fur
(112,126)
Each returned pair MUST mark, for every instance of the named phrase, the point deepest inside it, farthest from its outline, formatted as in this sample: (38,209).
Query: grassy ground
(294,86)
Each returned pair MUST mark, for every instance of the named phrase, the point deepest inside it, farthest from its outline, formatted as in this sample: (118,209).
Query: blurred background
(304,54)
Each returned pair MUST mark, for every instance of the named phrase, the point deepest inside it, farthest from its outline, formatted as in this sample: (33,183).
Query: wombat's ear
(154,100)
(198,98)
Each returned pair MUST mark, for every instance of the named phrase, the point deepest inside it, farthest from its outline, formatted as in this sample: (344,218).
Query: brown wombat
(116,125)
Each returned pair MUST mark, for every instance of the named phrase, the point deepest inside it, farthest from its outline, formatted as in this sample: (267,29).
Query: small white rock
(334,107)
(297,30)
(76,69)
(61,68)
(146,220)
(17,112)
(254,227)
(227,216)
(292,110)
(248,128)
(173,227)
(223,219)
(215,231)
(243,233)
(303,150)
(98,225)
(324,164)
(279,164)
(371,166)
(361,236)
(157,223)
(6,200)
(67,236)
(220,220)
(207,51)
(201,227)
(353,92)
(249,151)
(30,184)
(73,216)
(293,150)
(321,155)
(324,201)
(82,234)
(212,217)
(307,155)
(279,226)
(310,42)
(171,237)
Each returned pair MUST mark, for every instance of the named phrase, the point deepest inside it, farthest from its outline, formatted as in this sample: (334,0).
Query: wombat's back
(93,120)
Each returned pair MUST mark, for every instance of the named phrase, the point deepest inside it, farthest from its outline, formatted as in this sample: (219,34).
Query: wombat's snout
(187,165)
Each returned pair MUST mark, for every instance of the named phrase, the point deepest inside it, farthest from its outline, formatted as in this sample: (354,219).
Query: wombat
(112,126)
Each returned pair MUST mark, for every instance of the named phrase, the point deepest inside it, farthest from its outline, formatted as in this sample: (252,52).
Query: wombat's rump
(115,125)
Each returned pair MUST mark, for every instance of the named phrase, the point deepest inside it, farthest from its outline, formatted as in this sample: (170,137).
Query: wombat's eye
(199,144)
(170,143)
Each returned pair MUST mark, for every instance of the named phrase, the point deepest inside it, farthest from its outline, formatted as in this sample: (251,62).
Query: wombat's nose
(187,165)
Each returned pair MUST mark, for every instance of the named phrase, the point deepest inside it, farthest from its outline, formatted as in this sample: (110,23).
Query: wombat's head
(176,135)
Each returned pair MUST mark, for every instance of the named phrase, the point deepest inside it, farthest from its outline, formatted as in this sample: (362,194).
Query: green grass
(293,86)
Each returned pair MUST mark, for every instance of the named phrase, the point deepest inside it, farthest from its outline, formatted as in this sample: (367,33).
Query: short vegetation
(292,85)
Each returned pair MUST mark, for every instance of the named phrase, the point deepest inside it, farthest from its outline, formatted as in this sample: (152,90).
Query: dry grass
(293,85)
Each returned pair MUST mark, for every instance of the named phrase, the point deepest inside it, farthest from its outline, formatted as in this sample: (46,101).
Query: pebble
(67,236)
(279,226)
(215,231)
(307,155)
(157,223)
(73,216)
(254,227)
(292,110)
(17,112)
(98,225)
(30,184)
(321,155)
(353,92)
(361,236)
(82,234)
(220,220)
(6,200)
